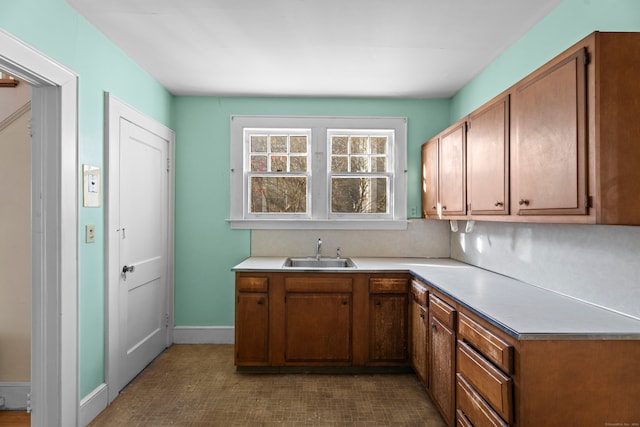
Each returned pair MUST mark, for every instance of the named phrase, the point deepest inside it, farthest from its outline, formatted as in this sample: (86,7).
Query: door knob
(127,269)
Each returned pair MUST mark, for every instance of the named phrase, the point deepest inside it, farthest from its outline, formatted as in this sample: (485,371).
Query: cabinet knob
(433,326)
(345,302)
(433,208)
(378,302)
(422,315)
(260,301)
(496,204)
(444,208)
(523,202)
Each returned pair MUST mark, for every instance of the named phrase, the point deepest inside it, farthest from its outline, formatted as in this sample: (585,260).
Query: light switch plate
(90,233)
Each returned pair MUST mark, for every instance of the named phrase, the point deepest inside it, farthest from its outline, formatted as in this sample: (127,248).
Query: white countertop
(524,311)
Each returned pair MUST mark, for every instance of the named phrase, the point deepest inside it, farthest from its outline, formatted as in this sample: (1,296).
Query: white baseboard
(203,335)
(16,395)
(93,404)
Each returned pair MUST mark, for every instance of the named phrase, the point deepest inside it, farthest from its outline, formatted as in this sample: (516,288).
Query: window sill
(284,224)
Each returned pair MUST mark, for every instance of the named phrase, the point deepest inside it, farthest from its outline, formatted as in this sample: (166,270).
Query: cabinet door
(549,141)
(430,178)
(388,336)
(442,342)
(452,183)
(488,159)
(252,328)
(419,341)
(318,327)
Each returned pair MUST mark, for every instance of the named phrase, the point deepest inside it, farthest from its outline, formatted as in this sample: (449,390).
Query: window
(318,172)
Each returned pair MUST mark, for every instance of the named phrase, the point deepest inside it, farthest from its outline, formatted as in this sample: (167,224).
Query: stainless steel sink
(319,263)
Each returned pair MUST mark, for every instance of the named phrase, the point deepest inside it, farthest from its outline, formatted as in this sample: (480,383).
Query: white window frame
(320,217)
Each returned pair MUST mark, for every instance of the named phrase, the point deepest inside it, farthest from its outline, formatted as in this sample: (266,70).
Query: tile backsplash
(421,239)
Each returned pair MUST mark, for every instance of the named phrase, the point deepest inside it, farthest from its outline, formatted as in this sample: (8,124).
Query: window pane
(378,164)
(298,144)
(359,164)
(278,194)
(359,195)
(258,143)
(340,164)
(378,145)
(339,145)
(278,163)
(278,143)
(359,145)
(298,164)
(258,163)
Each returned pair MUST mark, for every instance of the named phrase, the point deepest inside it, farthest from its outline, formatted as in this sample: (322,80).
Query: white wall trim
(204,335)
(54,337)
(94,403)
(16,395)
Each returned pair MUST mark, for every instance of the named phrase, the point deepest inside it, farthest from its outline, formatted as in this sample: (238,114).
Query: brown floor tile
(197,385)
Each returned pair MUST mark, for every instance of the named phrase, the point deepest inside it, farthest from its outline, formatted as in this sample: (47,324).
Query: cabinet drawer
(394,285)
(252,284)
(475,409)
(489,381)
(490,345)
(462,420)
(419,293)
(442,311)
(328,284)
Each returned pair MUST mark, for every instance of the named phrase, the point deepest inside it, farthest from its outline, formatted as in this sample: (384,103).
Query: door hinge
(588,202)
(166,320)
(587,57)
(168,164)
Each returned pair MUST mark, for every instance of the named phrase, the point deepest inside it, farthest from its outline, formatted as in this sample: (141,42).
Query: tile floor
(197,385)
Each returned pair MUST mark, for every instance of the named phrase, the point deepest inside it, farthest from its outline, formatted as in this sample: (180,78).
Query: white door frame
(54,335)
(115,110)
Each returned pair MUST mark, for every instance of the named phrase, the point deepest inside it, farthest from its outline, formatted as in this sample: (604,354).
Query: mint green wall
(55,29)
(206,248)
(568,23)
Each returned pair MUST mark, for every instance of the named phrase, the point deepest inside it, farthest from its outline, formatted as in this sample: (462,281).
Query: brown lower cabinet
(474,371)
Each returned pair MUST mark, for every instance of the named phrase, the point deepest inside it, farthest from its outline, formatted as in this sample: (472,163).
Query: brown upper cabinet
(444,186)
(488,159)
(571,151)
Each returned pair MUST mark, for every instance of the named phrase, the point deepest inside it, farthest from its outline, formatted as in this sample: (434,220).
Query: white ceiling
(314,48)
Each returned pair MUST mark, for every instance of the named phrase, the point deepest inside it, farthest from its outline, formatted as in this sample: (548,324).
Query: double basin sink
(313,263)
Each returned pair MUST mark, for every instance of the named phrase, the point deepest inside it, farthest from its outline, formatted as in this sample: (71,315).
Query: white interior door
(142,299)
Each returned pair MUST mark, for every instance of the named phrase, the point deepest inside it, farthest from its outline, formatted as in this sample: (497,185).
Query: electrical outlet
(414,212)
(90,233)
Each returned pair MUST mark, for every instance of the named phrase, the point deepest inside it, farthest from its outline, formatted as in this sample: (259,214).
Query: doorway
(54,231)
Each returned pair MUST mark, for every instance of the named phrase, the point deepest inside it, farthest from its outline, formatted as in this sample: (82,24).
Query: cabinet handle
(444,208)
(260,301)
(433,208)
(422,315)
(498,204)
(345,302)
(523,202)
(378,302)
(433,326)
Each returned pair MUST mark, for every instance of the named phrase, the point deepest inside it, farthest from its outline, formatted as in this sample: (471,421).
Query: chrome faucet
(318,249)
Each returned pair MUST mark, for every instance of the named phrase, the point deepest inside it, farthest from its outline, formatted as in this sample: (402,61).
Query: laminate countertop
(524,311)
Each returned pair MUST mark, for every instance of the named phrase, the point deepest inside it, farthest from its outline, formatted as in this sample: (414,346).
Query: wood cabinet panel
(452,181)
(550,140)
(252,284)
(388,338)
(419,360)
(442,345)
(252,328)
(430,178)
(488,159)
(490,382)
(318,327)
